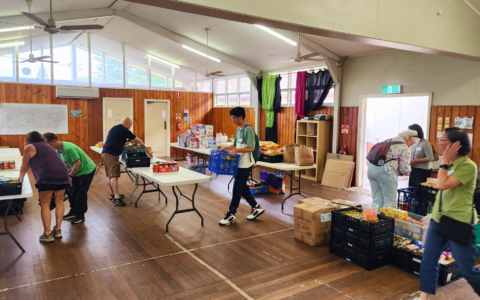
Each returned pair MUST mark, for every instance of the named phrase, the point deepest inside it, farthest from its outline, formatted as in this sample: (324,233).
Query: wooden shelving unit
(314,134)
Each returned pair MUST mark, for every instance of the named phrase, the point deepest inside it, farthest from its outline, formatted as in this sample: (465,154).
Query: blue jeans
(384,186)
(464,258)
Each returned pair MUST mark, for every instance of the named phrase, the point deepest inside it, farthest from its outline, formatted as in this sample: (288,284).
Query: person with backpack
(247,145)
(387,160)
(422,154)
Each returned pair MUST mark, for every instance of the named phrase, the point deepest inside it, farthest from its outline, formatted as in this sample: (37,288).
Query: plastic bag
(276,182)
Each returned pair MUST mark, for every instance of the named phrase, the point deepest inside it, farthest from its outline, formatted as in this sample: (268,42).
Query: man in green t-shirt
(243,144)
(82,170)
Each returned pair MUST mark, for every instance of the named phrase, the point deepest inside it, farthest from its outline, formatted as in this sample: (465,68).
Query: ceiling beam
(106,12)
(182,40)
(312,46)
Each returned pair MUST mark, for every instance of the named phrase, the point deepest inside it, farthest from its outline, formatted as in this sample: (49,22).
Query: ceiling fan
(300,57)
(212,74)
(31,57)
(51,27)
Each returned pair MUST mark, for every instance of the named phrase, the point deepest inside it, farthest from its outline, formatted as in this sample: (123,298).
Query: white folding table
(173,179)
(203,154)
(8,152)
(289,168)
(26,193)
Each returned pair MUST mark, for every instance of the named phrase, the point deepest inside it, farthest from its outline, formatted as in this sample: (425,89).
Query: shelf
(302,140)
(301,135)
(311,173)
(302,129)
(312,143)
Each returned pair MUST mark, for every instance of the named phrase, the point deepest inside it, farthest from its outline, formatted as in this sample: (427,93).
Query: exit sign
(392,89)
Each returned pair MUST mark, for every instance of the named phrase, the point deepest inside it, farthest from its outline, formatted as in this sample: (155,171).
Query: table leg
(292,178)
(177,211)
(136,187)
(176,155)
(99,166)
(145,191)
(7,232)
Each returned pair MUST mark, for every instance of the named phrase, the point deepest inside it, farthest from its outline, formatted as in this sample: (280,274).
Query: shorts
(112,165)
(51,187)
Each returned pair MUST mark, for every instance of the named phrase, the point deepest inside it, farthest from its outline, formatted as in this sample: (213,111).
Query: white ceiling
(243,42)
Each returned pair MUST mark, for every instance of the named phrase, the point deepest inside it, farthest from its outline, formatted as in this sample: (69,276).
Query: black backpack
(378,153)
(256,151)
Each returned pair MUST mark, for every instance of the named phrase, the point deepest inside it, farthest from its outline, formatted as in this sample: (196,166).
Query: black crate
(427,192)
(10,188)
(408,261)
(410,200)
(364,259)
(136,160)
(382,243)
(336,247)
(384,226)
(271,159)
(338,232)
(338,219)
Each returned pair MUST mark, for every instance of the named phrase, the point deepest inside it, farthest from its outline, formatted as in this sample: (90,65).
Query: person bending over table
(81,175)
(51,175)
(243,144)
(116,138)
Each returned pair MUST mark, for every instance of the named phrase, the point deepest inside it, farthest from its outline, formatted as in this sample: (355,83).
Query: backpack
(256,151)
(378,153)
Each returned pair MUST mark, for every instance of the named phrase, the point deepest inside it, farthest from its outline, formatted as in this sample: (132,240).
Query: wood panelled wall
(222,122)
(87,130)
(452,112)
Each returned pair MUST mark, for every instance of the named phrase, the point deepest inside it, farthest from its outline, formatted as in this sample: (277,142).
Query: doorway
(383,117)
(114,111)
(157,126)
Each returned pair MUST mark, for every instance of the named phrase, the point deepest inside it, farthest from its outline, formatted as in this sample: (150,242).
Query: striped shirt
(422,150)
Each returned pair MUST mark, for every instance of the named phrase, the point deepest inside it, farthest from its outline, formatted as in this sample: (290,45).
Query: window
(107,62)
(233,92)
(184,79)
(161,75)
(204,86)
(70,50)
(37,72)
(7,64)
(136,68)
(288,85)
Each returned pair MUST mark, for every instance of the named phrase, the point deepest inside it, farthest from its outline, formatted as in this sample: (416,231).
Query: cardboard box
(312,223)
(314,201)
(338,173)
(346,203)
(340,157)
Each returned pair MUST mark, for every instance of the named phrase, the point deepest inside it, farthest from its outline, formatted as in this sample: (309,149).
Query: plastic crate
(384,226)
(427,192)
(338,232)
(476,200)
(364,259)
(136,160)
(406,260)
(222,164)
(411,231)
(368,244)
(10,188)
(271,159)
(409,200)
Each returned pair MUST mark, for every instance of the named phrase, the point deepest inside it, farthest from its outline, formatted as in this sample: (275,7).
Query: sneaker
(229,219)
(69,216)
(256,212)
(57,233)
(119,202)
(78,220)
(47,238)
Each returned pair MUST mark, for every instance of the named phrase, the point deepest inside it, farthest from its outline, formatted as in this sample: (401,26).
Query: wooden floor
(125,253)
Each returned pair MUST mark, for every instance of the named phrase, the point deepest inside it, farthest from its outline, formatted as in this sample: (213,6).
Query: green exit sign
(392,89)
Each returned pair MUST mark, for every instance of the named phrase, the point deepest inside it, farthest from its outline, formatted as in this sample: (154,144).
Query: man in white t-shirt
(243,144)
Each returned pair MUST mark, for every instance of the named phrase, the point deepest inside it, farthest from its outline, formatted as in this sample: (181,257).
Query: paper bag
(289,153)
(304,156)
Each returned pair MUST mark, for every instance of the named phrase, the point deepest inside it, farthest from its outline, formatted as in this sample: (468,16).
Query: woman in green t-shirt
(82,170)
(456,179)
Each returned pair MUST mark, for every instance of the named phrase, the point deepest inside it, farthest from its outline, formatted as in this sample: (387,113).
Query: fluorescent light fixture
(162,61)
(293,43)
(12,44)
(201,53)
(15,28)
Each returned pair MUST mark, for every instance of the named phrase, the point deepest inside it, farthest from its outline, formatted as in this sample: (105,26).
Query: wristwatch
(444,167)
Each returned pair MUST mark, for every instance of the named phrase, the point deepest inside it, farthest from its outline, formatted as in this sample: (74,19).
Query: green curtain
(268,97)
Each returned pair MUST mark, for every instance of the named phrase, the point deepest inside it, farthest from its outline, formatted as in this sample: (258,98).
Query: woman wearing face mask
(421,156)
(383,178)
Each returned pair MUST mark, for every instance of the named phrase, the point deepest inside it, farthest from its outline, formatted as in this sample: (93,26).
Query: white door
(157,120)
(114,111)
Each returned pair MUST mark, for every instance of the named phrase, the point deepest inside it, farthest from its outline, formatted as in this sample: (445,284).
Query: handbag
(436,157)
(454,230)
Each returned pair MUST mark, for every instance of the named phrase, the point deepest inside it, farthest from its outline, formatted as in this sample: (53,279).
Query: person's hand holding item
(450,153)
(232,152)
(413,161)
(222,150)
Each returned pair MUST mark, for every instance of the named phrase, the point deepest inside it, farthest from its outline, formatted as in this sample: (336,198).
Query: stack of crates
(366,244)
(418,200)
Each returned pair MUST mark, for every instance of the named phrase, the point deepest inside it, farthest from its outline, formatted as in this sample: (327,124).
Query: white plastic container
(411,231)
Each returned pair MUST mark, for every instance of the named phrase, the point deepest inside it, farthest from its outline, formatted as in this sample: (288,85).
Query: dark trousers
(78,202)
(240,189)
(418,176)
